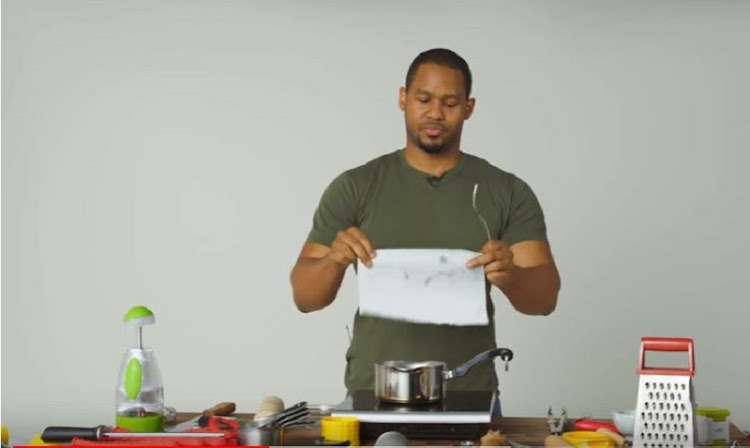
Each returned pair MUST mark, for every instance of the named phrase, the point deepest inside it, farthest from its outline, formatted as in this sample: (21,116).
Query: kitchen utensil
(624,421)
(556,424)
(270,430)
(140,395)
(221,409)
(424,382)
(65,434)
(584,424)
(260,432)
(479,215)
(392,438)
(664,412)
(340,428)
(265,432)
(291,414)
(588,439)
(272,404)
(616,437)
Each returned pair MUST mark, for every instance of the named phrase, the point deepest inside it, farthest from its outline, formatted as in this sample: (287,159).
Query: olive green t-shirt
(398,206)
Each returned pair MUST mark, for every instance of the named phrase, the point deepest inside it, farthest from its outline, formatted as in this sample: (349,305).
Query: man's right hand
(349,246)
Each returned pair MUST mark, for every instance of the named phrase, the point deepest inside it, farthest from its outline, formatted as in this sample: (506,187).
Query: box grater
(664,414)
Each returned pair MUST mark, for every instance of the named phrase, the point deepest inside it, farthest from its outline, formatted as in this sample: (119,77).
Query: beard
(432,147)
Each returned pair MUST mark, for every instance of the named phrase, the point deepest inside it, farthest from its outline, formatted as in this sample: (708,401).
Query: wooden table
(529,431)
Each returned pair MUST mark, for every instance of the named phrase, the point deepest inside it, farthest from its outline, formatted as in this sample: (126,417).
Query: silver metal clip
(556,424)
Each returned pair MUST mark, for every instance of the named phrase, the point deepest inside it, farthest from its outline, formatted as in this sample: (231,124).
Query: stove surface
(456,407)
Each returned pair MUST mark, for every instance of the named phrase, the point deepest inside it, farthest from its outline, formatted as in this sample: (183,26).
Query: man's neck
(432,164)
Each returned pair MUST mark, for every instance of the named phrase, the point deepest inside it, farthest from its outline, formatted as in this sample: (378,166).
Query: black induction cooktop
(460,415)
(455,407)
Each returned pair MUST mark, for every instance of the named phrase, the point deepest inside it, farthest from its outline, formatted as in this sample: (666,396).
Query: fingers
(352,244)
(363,240)
(492,251)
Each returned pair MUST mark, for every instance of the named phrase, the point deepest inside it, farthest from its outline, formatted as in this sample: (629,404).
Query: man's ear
(470,103)
(402,98)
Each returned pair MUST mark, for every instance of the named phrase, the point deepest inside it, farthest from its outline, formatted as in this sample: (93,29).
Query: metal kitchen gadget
(556,423)
(220,409)
(424,382)
(664,414)
(65,434)
(270,430)
(140,394)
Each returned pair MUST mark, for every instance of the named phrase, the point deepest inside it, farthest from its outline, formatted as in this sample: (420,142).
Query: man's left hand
(497,260)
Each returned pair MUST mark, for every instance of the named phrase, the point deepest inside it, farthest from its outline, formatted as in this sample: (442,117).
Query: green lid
(148,423)
(139,316)
(714,413)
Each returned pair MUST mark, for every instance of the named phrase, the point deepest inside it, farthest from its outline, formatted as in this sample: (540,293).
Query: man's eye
(451,104)
(423,100)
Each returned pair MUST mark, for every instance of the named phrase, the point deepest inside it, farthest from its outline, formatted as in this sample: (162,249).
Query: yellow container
(340,429)
(588,439)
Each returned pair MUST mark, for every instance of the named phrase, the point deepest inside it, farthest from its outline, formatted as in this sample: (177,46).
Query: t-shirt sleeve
(337,210)
(526,218)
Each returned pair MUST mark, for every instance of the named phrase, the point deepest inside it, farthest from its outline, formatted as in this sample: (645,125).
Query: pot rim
(409,366)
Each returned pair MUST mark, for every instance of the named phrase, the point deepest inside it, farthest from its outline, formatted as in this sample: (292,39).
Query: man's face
(435,107)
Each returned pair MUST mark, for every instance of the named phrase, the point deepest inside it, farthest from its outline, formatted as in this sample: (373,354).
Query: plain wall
(171,154)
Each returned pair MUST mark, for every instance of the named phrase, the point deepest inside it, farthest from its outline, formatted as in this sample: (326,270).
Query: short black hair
(444,57)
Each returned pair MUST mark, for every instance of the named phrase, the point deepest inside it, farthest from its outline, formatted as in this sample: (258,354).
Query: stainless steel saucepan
(424,382)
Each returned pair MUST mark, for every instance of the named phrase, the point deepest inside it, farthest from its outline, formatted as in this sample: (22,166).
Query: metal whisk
(476,210)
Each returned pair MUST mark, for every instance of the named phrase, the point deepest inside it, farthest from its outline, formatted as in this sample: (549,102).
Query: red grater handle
(666,345)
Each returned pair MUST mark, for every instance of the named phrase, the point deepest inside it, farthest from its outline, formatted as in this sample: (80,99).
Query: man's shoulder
(365,171)
(487,169)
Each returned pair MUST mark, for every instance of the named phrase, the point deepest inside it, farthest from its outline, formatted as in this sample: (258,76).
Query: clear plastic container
(718,433)
(140,394)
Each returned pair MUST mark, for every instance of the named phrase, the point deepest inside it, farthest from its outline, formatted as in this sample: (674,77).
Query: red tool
(585,424)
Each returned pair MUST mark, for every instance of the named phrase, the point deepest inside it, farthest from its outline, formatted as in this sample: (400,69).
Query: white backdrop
(171,154)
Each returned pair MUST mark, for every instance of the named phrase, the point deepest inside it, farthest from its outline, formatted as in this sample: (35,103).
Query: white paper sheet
(423,285)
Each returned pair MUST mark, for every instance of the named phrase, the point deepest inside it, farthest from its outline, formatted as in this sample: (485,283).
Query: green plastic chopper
(140,394)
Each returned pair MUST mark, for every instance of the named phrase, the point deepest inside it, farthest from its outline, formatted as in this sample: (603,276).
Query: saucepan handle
(504,353)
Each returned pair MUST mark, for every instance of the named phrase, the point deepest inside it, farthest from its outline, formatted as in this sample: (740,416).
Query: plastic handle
(593,425)
(504,354)
(65,434)
(133,378)
(222,409)
(666,345)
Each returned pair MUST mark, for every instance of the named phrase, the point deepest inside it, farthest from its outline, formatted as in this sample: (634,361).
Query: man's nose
(435,111)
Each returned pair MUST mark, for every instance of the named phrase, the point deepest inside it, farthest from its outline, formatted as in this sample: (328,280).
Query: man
(422,196)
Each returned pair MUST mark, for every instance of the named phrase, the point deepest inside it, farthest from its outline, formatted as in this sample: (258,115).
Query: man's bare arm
(525,272)
(319,271)
(315,278)
(534,285)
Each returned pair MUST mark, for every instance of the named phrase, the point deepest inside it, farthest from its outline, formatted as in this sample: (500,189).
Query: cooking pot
(425,381)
